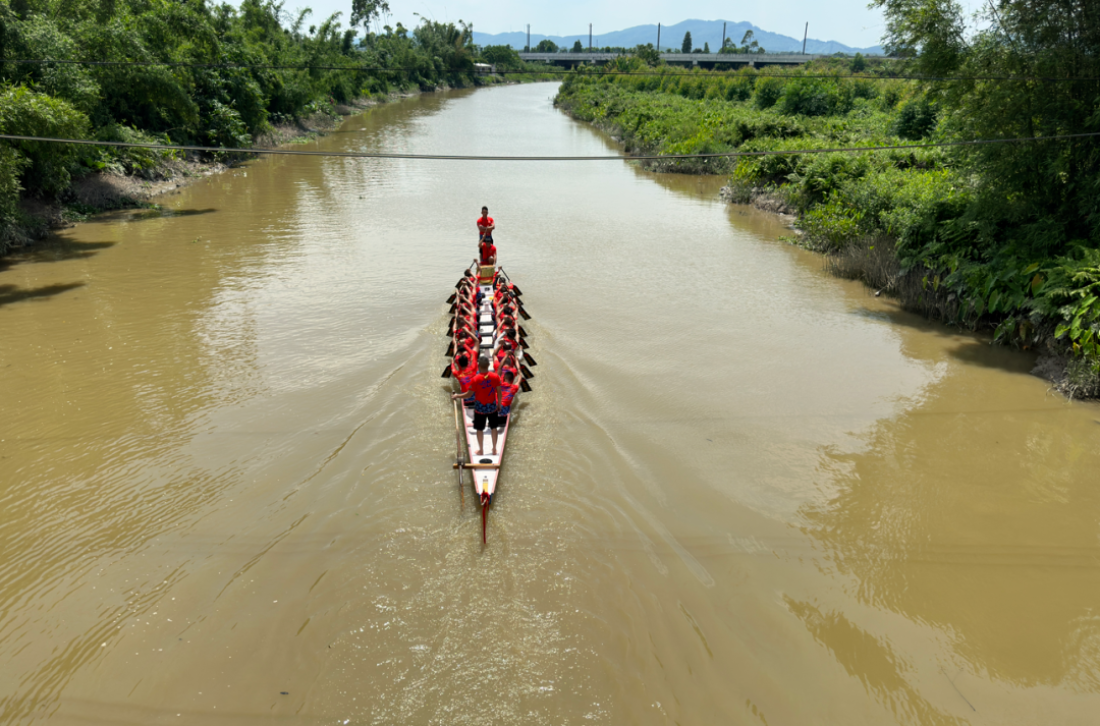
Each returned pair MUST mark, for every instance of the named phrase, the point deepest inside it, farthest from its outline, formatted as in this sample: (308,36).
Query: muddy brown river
(742,491)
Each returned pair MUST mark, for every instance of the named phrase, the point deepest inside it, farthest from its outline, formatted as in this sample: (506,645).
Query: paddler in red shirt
(508,391)
(485,388)
(463,371)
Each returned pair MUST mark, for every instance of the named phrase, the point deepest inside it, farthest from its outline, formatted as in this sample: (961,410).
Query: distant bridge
(703,60)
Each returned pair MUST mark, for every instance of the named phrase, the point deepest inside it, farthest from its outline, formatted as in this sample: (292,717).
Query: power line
(597,72)
(475,157)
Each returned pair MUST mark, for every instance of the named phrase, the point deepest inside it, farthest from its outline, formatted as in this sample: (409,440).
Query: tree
(648,54)
(706,48)
(685,47)
(363,12)
(749,44)
(501,56)
(577,47)
(1043,194)
(859,64)
(546,46)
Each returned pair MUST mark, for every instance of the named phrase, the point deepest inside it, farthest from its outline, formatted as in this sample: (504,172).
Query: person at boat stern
(486,389)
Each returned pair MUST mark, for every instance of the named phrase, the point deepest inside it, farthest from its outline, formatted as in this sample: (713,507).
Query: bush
(12,165)
(816,97)
(767,92)
(916,119)
(27,113)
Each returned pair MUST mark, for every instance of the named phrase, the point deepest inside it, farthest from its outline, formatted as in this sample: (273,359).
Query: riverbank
(911,223)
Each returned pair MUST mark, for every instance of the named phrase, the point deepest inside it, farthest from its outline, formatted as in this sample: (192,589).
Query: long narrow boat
(485,468)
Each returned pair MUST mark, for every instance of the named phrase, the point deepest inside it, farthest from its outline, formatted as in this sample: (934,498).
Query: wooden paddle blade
(526,373)
(523,314)
(528,359)
(450,350)
(451,327)
(524,344)
(522,331)
(516,288)
(454,306)
(446,372)
(452,298)
(525,386)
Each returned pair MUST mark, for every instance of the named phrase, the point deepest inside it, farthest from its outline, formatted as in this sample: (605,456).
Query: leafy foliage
(206,98)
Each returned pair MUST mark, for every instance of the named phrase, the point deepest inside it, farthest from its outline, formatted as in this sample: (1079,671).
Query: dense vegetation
(201,100)
(1004,236)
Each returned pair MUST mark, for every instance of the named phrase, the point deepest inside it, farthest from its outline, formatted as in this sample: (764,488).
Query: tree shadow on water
(970,347)
(58,249)
(13,293)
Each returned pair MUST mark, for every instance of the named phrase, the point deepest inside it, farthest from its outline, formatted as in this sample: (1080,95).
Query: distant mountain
(702,31)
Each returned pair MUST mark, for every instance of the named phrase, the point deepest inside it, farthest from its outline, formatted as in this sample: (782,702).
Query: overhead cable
(478,157)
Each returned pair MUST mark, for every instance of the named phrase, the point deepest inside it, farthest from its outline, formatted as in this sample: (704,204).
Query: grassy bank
(920,224)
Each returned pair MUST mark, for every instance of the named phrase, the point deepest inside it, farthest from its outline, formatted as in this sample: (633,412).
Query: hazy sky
(847,21)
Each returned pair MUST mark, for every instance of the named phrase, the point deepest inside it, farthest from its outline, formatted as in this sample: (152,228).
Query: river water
(742,491)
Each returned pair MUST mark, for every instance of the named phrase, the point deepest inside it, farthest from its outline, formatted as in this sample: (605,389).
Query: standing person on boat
(485,226)
(485,388)
(486,249)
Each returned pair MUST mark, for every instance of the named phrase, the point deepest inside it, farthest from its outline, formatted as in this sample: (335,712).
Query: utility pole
(658,38)
(528,37)
(805,35)
(719,50)
(590,37)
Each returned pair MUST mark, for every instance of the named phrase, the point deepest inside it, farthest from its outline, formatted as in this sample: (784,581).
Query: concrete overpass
(703,60)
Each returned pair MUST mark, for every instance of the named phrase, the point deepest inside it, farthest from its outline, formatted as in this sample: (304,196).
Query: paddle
(450,350)
(524,385)
(523,314)
(515,287)
(527,358)
(458,453)
(451,327)
(452,298)
(523,343)
(446,372)
(454,306)
(521,331)
(484,511)
(526,373)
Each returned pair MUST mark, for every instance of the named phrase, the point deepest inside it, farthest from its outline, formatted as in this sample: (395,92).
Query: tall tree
(363,12)
(1047,191)
(685,47)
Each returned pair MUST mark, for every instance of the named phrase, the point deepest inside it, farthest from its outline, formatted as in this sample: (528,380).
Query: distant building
(484,69)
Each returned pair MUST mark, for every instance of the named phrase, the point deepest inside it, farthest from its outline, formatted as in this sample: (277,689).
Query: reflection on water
(741,492)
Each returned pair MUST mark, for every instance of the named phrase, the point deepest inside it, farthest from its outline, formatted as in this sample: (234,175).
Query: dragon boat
(485,469)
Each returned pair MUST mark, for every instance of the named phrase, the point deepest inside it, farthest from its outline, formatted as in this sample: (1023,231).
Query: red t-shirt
(485,387)
(465,377)
(483,222)
(488,252)
(508,391)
